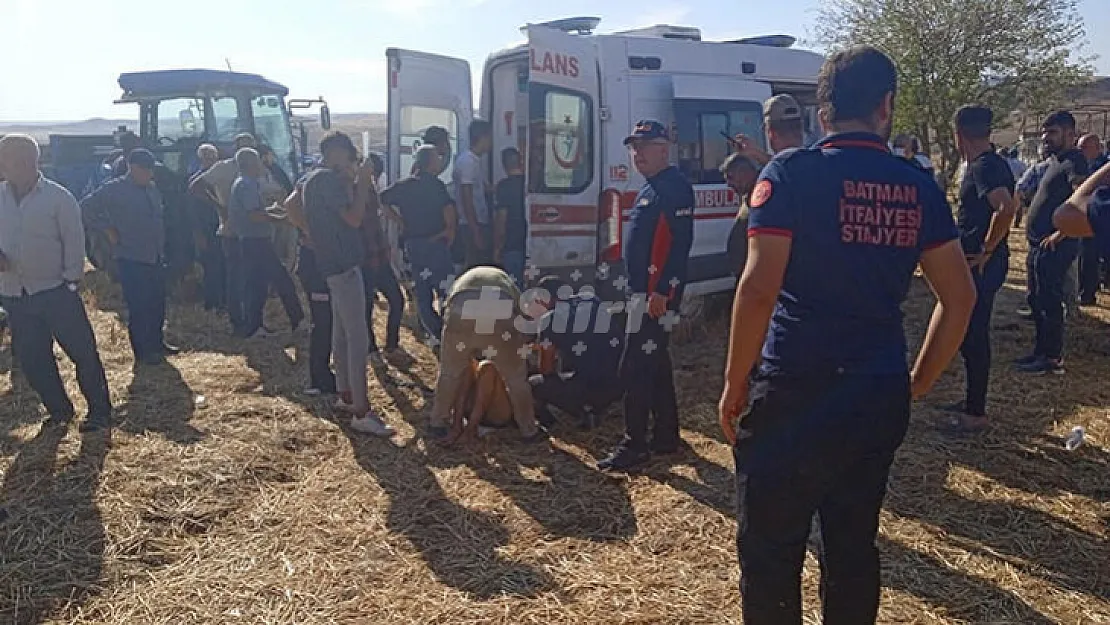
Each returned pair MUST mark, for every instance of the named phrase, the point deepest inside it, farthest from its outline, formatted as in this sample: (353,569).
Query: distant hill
(353,124)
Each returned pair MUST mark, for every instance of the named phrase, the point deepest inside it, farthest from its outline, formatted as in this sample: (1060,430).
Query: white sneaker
(312,391)
(370,424)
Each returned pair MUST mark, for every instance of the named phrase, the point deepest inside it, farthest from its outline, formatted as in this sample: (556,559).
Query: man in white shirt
(471,197)
(42,259)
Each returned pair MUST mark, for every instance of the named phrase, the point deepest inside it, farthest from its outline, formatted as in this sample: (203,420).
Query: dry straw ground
(258,506)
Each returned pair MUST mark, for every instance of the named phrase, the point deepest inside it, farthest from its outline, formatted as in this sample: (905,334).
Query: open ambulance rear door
(563,162)
(425,90)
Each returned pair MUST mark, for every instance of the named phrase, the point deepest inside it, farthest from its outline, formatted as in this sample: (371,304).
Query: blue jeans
(431,268)
(144,292)
(1047,271)
(512,261)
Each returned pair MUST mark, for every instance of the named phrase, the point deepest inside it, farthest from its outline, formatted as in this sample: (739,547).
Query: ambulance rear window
(560,158)
(702,126)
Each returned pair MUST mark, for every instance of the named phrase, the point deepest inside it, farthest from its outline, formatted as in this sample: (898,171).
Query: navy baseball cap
(646,130)
(142,157)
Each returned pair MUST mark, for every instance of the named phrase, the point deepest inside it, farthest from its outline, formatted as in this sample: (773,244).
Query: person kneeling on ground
(478,322)
(482,400)
(589,345)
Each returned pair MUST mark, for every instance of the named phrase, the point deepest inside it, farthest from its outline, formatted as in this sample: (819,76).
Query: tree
(1006,54)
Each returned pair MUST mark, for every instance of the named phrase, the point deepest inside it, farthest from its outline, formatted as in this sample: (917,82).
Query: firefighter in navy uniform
(835,234)
(660,236)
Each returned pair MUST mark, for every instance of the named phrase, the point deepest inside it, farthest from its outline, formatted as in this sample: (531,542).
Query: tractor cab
(180,109)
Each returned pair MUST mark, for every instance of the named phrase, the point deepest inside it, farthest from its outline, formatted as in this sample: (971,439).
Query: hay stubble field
(226,496)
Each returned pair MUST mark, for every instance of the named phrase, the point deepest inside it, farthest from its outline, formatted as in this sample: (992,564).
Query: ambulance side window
(702,126)
(560,145)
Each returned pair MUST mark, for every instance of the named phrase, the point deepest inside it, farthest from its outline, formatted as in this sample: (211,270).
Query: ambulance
(567,98)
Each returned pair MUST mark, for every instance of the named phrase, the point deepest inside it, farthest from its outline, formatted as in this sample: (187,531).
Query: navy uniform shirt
(1063,173)
(587,338)
(1098,214)
(661,231)
(859,218)
(984,174)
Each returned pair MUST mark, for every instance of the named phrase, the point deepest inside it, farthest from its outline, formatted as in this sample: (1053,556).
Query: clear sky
(75,49)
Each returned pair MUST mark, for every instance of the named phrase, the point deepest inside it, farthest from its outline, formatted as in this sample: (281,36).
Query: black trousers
(36,321)
(1046,269)
(144,292)
(1090,269)
(976,348)
(381,279)
(263,270)
(315,287)
(215,274)
(648,378)
(821,444)
(576,393)
(235,282)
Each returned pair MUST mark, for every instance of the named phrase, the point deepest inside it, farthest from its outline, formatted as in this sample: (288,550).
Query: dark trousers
(263,270)
(648,378)
(36,321)
(1090,270)
(215,274)
(315,287)
(431,268)
(144,292)
(976,348)
(381,279)
(822,444)
(1047,269)
(575,394)
(236,282)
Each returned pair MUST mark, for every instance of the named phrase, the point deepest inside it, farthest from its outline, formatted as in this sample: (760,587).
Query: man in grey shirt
(254,226)
(42,258)
(129,211)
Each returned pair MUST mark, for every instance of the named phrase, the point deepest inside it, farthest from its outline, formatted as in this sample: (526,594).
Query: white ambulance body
(567,99)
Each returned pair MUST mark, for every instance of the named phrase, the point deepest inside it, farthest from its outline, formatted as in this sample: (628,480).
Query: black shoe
(539,436)
(958,407)
(153,360)
(170,350)
(1044,366)
(624,458)
(1026,360)
(545,417)
(437,433)
(1088,301)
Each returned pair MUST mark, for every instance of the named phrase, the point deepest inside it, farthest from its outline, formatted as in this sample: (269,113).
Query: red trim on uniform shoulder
(773,232)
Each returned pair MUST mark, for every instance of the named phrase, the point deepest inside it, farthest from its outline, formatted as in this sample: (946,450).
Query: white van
(567,98)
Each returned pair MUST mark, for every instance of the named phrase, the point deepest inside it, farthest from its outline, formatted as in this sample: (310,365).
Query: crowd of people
(817,391)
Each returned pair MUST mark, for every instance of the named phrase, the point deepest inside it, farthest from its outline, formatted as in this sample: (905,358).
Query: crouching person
(588,343)
(478,323)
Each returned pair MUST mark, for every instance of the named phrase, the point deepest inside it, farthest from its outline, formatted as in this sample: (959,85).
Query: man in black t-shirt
(740,173)
(427,215)
(1051,254)
(987,209)
(510,227)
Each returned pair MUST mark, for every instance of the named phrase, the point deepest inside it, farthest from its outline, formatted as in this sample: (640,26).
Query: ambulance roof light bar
(570,25)
(664,31)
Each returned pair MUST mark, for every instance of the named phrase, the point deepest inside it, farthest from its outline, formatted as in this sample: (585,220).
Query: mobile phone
(730,139)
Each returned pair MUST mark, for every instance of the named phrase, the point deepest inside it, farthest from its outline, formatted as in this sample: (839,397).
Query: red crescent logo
(761,193)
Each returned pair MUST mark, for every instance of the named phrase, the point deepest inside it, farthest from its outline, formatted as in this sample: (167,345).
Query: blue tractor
(178,111)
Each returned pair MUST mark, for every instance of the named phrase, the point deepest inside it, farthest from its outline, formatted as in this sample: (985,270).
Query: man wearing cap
(214,186)
(128,211)
(661,231)
(817,393)
(782,120)
(1051,253)
(987,208)
(42,260)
